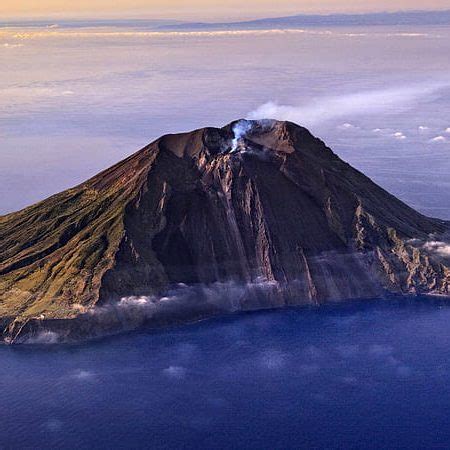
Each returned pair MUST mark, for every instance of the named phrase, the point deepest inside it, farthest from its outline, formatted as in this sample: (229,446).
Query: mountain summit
(257,214)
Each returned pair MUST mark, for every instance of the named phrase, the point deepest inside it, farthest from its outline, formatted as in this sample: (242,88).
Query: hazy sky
(204,8)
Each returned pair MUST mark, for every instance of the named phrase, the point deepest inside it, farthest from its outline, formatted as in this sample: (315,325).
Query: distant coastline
(399,18)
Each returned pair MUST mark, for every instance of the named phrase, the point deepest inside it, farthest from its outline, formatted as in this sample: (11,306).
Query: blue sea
(362,375)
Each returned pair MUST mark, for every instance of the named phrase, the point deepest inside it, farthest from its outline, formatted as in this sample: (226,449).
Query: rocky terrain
(252,215)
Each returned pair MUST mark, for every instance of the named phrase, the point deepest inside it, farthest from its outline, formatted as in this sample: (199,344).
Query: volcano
(257,214)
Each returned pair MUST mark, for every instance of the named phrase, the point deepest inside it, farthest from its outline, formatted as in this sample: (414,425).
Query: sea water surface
(363,375)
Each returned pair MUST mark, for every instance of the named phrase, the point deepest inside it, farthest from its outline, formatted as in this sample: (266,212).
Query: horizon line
(119,16)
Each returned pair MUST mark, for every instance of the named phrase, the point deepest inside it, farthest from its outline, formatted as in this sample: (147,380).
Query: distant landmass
(257,214)
(402,18)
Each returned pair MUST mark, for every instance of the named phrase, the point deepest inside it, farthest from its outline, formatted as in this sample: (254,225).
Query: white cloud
(399,135)
(327,108)
(82,375)
(177,372)
(438,247)
(439,140)
(135,301)
(447,130)
(423,129)
(347,126)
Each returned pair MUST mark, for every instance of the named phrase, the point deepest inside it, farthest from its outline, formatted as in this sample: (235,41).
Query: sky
(213,9)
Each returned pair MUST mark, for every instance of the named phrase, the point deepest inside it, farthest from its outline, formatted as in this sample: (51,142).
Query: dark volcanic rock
(253,215)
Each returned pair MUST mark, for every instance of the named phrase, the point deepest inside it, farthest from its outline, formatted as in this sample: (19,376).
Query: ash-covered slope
(264,206)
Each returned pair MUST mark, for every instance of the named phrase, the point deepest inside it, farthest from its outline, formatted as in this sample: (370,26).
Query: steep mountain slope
(262,205)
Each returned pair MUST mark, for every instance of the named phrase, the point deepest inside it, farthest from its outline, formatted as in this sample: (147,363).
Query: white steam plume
(327,108)
(240,130)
